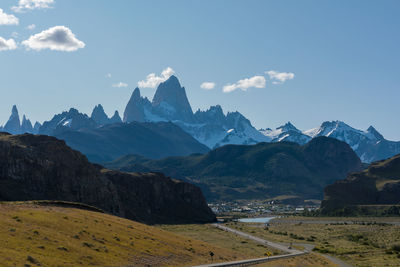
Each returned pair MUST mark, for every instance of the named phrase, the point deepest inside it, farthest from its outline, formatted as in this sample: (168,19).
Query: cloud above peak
(207,85)
(6,19)
(120,85)
(31,27)
(58,38)
(255,81)
(24,5)
(152,80)
(279,77)
(9,44)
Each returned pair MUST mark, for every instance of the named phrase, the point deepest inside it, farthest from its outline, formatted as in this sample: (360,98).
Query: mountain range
(212,127)
(264,170)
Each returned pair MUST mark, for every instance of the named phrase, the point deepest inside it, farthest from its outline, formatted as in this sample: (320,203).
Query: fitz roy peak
(211,127)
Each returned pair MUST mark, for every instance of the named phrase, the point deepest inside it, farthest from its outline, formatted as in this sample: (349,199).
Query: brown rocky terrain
(37,167)
(379,184)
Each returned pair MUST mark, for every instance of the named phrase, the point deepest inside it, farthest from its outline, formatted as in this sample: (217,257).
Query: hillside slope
(153,140)
(379,184)
(257,171)
(38,167)
(55,236)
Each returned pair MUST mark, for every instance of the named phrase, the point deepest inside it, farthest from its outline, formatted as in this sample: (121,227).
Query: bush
(396,247)
(32,260)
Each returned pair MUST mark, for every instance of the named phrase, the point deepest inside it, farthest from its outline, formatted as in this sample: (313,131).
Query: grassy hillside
(59,236)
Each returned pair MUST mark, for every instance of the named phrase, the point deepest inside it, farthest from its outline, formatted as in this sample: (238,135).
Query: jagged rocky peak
(375,133)
(99,116)
(236,118)
(170,101)
(36,127)
(26,126)
(213,115)
(72,119)
(13,124)
(115,118)
(288,127)
(134,110)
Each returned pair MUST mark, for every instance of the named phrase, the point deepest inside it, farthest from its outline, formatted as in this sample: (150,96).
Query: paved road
(282,247)
(290,252)
(278,246)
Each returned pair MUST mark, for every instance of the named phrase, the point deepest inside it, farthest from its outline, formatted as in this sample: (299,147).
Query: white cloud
(6,19)
(108,75)
(207,85)
(120,85)
(256,81)
(152,80)
(24,5)
(279,77)
(31,27)
(9,44)
(59,38)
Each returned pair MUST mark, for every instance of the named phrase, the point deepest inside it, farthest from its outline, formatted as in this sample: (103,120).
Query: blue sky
(344,55)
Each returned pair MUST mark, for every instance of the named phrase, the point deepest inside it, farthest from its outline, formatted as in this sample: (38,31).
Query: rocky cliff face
(153,197)
(134,110)
(42,167)
(379,184)
(66,121)
(14,125)
(99,116)
(170,101)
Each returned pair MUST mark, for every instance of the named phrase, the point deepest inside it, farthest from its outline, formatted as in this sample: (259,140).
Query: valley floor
(357,241)
(37,235)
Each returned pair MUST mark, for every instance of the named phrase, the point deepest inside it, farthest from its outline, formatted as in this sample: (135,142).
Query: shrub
(32,260)
(396,247)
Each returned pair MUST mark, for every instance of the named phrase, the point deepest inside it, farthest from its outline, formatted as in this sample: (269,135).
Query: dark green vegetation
(38,167)
(257,171)
(374,191)
(152,140)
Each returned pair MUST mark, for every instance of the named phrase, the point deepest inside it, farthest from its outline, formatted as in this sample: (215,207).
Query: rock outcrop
(37,167)
(379,184)
(134,110)
(170,101)
(99,116)
(13,124)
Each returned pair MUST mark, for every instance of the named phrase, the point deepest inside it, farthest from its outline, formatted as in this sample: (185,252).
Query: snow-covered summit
(287,132)
(210,127)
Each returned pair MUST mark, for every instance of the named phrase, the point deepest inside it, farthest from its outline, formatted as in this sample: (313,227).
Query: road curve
(290,252)
(260,240)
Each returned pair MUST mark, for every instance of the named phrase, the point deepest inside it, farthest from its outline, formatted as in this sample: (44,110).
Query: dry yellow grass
(357,244)
(55,236)
(217,237)
(310,260)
